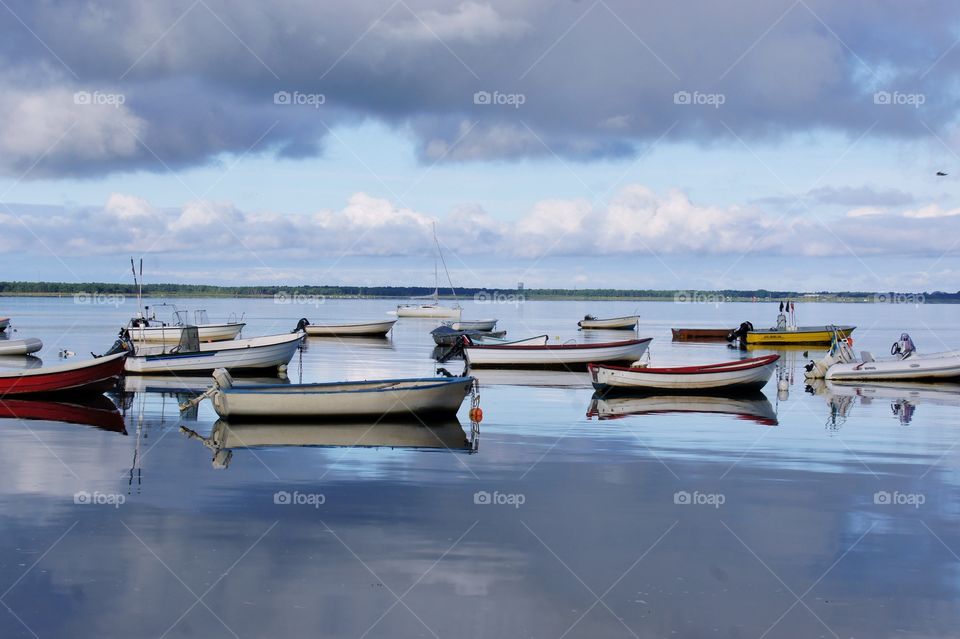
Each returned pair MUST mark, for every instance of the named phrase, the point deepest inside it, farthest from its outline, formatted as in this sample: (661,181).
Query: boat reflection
(19,362)
(531,377)
(378,343)
(447,434)
(94,410)
(752,407)
(903,397)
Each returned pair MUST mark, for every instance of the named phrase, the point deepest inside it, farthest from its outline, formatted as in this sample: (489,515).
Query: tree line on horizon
(183,290)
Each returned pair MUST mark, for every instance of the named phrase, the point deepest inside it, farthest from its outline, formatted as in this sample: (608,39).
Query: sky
(607,144)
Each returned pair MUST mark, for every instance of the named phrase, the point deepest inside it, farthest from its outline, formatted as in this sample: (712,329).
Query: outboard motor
(301,325)
(740,333)
(904,347)
(123,344)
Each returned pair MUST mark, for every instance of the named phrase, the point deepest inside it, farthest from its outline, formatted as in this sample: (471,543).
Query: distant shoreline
(480,295)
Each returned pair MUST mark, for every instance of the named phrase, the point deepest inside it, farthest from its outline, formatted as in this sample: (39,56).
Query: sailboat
(434,309)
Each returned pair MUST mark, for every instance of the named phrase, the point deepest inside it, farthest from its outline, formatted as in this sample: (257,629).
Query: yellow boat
(798,335)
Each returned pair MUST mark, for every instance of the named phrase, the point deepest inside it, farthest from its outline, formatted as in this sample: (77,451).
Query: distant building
(519,286)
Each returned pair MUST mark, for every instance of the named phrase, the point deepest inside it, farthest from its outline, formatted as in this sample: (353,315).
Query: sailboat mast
(443,261)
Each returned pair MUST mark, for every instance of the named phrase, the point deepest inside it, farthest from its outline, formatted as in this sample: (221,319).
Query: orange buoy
(850,342)
(476,414)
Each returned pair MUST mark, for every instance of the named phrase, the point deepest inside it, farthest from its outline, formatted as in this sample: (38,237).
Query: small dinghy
(347,329)
(615,323)
(20,346)
(96,374)
(569,357)
(494,339)
(448,336)
(433,396)
(905,364)
(485,325)
(743,375)
(699,334)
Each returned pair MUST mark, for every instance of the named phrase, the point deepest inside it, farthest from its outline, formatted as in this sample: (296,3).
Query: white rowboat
(539,340)
(20,346)
(741,375)
(172,334)
(472,325)
(435,396)
(270,351)
(353,329)
(562,356)
(617,323)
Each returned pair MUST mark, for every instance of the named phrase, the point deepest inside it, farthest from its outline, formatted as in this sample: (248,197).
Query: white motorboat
(20,346)
(562,356)
(147,328)
(257,353)
(350,329)
(4,323)
(905,364)
(472,325)
(628,322)
(434,396)
(736,376)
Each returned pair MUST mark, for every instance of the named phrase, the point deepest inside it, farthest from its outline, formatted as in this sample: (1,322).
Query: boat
(787,331)
(628,322)
(447,336)
(86,375)
(485,325)
(190,355)
(492,339)
(350,329)
(148,329)
(4,323)
(184,384)
(563,356)
(905,363)
(736,376)
(436,309)
(699,334)
(406,398)
(96,410)
(226,437)
(753,407)
(20,346)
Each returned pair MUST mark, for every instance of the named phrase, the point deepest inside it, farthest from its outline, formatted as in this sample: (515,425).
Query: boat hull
(802,335)
(428,310)
(436,397)
(694,334)
(613,323)
(366,329)
(20,346)
(916,367)
(97,374)
(258,353)
(572,357)
(472,325)
(739,376)
(171,334)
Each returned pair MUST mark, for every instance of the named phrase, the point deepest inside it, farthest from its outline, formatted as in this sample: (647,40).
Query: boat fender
(222,379)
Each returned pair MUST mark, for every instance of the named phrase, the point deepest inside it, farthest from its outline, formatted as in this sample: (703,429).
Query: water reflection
(19,362)
(902,396)
(754,407)
(225,437)
(97,411)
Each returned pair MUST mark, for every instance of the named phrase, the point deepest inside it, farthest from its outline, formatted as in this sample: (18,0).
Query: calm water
(831,515)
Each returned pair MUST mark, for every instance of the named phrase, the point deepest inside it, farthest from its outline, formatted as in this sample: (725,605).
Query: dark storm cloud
(473,81)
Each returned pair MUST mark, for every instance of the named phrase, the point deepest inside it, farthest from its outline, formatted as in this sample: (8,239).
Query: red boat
(89,375)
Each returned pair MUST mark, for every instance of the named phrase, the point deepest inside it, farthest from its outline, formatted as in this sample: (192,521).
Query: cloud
(598,80)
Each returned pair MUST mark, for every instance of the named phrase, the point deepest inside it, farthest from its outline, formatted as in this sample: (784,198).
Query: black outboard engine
(302,324)
(123,344)
(740,333)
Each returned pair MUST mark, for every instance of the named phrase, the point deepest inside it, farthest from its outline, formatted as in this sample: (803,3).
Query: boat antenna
(139,284)
(443,261)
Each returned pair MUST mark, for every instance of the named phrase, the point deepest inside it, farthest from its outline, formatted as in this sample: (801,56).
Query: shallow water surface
(783,515)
